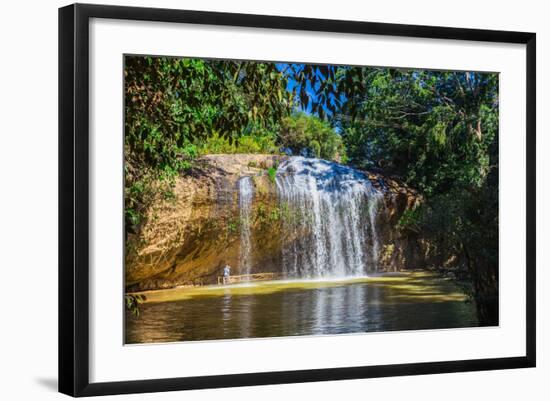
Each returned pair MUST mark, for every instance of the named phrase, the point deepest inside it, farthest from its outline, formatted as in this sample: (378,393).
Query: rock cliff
(187,237)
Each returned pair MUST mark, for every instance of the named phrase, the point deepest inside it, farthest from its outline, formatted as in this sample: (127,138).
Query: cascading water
(374,206)
(246,195)
(330,219)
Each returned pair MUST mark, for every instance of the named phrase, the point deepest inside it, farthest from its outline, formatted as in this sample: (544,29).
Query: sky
(292,83)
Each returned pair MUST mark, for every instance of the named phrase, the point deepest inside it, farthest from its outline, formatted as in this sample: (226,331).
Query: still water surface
(410,301)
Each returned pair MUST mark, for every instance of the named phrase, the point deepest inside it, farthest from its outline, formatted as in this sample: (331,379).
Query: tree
(303,133)
(438,131)
(174,102)
(173,105)
(434,129)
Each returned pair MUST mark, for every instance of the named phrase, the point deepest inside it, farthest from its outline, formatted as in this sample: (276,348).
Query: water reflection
(340,308)
(226,312)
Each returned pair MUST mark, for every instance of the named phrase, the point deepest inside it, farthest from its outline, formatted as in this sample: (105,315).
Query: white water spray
(330,219)
(246,195)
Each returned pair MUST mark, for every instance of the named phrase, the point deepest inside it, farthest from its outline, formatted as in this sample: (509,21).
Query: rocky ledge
(187,237)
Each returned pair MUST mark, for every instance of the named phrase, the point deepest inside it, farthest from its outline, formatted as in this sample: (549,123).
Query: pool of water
(410,301)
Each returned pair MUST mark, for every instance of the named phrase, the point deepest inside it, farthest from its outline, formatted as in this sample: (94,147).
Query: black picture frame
(74,198)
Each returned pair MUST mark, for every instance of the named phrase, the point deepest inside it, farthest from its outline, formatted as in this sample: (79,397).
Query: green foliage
(272,173)
(410,219)
(266,215)
(179,108)
(465,224)
(434,129)
(315,148)
(437,130)
(303,133)
(232,226)
(172,103)
(132,302)
(218,144)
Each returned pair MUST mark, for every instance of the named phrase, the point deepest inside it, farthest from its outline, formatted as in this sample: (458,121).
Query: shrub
(309,135)
(216,144)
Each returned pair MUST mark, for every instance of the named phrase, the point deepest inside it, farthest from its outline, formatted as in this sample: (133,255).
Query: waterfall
(329,219)
(246,195)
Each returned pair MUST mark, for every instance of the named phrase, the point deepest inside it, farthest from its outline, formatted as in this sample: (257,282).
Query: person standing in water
(226,273)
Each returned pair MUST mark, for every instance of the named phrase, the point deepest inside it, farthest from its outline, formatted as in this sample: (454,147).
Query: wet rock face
(402,249)
(188,238)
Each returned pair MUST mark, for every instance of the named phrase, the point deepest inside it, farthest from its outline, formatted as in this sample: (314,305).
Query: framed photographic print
(249,199)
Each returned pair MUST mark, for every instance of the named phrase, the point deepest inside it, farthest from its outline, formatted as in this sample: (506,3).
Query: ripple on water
(411,301)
